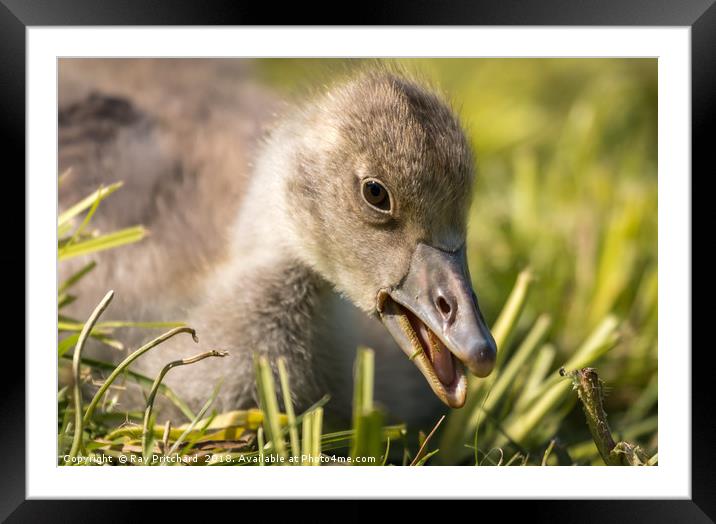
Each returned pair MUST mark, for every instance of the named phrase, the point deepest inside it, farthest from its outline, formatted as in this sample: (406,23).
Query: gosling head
(379,195)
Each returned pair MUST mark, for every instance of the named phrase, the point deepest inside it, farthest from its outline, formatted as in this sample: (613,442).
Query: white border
(671,479)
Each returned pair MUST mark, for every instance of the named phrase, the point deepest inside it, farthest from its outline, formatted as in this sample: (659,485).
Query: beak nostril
(444,306)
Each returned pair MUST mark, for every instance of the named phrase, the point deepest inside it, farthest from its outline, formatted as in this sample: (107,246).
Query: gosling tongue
(438,354)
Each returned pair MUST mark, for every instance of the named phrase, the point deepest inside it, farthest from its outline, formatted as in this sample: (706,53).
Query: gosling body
(258,240)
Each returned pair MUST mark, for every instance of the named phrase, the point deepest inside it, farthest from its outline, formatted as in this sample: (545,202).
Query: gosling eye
(376,195)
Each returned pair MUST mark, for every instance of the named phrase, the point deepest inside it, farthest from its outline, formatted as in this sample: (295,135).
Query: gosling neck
(270,296)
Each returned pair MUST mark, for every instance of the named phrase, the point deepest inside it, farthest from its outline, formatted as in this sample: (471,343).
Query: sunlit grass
(566,156)
(566,153)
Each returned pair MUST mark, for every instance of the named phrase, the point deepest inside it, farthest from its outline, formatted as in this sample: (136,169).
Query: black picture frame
(17,15)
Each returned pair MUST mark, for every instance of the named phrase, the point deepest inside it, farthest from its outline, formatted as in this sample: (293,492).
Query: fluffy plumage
(264,246)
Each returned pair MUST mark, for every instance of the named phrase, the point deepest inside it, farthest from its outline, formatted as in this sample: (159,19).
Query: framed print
(453,244)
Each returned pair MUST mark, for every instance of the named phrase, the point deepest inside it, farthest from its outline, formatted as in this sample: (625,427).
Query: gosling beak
(434,317)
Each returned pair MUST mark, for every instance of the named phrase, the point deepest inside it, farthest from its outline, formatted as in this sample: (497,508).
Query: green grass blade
(539,369)
(86,202)
(516,364)
(87,218)
(427,457)
(420,455)
(519,425)
(455,427)
(307,432)
(76,359)
(131,358)
(66,343)
(103,242)
(194,422)
(107,327)
(148,425)
(77,276)
(511,311)
(142,380)
(269,404)
(316,427)
(288,404)
(114,324)
(367,421)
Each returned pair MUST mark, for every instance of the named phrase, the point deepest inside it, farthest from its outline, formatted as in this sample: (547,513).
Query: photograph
(359,261)
(453,240)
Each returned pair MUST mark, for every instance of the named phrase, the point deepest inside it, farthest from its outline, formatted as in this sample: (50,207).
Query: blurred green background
(566,151)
